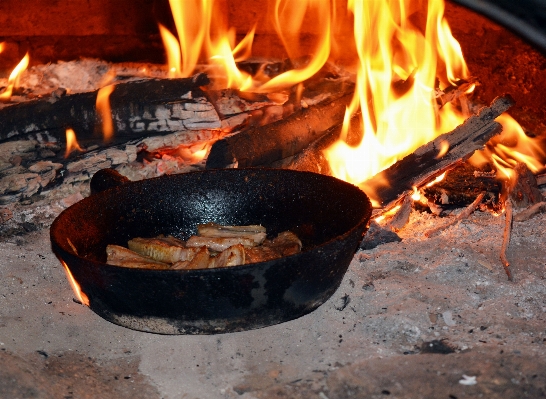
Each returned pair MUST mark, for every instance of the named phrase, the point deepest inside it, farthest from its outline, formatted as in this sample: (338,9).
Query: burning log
(264,145)
(138,108)
(423,164)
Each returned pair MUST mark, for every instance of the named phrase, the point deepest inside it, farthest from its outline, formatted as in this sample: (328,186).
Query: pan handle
(105,179)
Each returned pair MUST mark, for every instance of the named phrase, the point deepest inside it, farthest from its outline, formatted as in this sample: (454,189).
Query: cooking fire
(318,198)
(405,123)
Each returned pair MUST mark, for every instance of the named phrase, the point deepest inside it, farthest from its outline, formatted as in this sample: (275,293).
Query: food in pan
(213,246)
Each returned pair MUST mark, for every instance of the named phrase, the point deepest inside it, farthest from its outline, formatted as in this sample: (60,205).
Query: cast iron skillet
(329,216)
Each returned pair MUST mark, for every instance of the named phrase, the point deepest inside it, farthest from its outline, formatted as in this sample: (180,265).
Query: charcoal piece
(437,346)
(139,108)
(462,185)
(343,302)
(377,235)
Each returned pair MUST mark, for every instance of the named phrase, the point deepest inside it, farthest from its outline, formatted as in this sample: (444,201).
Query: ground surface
(397,302)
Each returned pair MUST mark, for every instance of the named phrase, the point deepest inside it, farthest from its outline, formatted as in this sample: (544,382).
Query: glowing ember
(80,295)
(13,80)
(105,112)
(416,195)
(436,180)
(71,143)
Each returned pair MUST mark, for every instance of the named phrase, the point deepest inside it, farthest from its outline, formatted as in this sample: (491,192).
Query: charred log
(260,146)
(139,108)
(462,185)
(424,163)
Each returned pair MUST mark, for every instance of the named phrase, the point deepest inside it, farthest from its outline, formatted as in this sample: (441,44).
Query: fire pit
(434,315)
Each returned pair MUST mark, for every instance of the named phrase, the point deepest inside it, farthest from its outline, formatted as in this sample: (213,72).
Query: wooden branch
(423,164)
(528,213)
(506,238)
(264,145)
(139,108)
(401,217)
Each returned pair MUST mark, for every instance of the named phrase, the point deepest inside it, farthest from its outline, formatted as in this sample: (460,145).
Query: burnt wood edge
(260,146)
(423,164)
(48,118)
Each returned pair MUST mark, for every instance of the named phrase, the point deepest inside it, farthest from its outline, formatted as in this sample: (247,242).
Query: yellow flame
(105,112)
(416,195)
(444,148)
(71,143)
(511,147)
(172,48)
(192,19)
(13,80)
(393,124)
(289,17)
(78,293)
(202,30)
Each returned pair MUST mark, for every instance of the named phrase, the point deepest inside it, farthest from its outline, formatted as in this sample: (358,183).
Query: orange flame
(197,36)
(393,124)
(13,80)
(78,293)
(105,112)
(71,143)
(511,147)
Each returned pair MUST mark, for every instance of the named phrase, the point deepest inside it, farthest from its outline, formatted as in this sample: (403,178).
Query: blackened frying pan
(329,216)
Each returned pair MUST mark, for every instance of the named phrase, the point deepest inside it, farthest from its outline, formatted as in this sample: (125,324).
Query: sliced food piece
(286,243)
(233,256)
(219,243)
(260,254)
(254,232)
(162,249)
(121,256)
(201,260)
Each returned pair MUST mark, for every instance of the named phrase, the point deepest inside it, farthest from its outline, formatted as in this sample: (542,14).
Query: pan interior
(317,208)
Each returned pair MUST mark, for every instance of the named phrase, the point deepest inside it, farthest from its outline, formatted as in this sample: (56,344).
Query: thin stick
(506,237)
(528,213)
(463,215)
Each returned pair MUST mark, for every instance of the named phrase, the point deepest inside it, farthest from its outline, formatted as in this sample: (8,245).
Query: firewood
(506,237)
(463,215)
(531,211)
(264,145)
(401,217)
(461,185)
(423,164)
(139,108)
